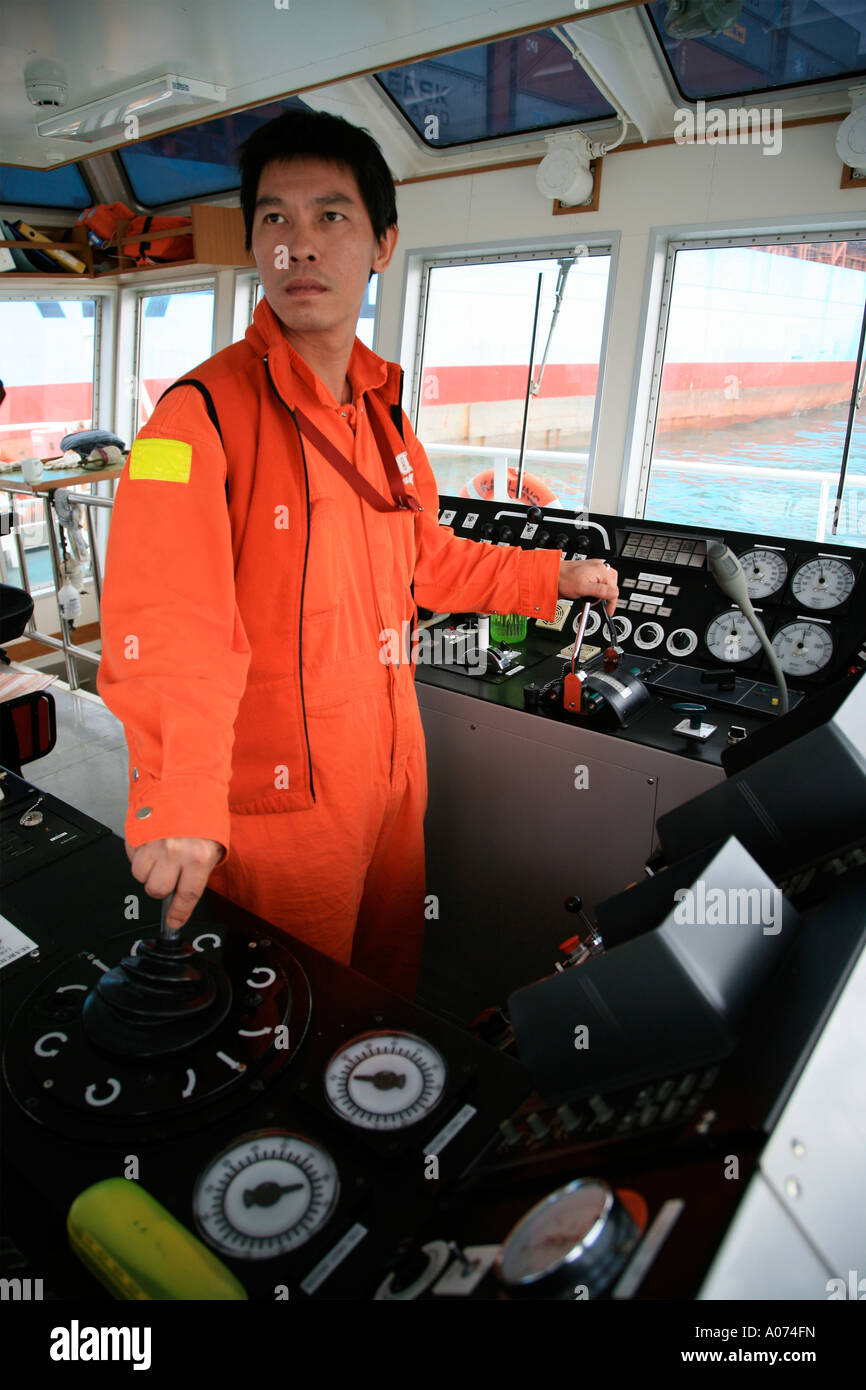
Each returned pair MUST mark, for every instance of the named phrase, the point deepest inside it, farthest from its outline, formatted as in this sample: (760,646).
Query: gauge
(579,1236)
(622,627)
(593,621)
(765,572)
(803,648)
(824,582)
(385,1081)
(265,1195)
(648,635)
(731,638)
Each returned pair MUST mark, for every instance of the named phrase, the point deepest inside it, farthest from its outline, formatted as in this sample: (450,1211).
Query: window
(511,87)
(43,188)
(50,379)
(750,423)
(764,45)
(474,372)
(50,367)
(197,161)
(175,333)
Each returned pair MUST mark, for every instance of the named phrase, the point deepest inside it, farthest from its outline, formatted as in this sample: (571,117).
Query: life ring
(535,490)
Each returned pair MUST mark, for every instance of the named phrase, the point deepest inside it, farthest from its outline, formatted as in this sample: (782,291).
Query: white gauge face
(385,1081)
(765,571)
(553,1233)
(824,582)
(730,638)
(803,648)
(266,1195)
(622,626)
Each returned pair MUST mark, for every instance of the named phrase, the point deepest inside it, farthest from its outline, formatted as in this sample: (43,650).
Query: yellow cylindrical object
(139,1251)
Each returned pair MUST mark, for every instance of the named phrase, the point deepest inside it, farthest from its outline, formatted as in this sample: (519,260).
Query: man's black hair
(317,134)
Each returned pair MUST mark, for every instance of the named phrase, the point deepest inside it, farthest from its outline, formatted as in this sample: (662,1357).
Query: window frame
(99,297)
(156,291)
(647,380)
(416,293)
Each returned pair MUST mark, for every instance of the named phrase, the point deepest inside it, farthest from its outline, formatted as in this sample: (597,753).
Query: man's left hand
(592,579)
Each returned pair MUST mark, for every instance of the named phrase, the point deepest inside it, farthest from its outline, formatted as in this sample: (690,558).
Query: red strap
(402,501)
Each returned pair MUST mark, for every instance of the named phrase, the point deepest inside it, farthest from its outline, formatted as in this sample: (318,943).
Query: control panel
(678,635)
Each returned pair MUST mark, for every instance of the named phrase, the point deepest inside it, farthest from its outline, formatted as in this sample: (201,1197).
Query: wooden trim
(561,209)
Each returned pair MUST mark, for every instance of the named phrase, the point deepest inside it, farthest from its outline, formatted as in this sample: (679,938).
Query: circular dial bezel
(742,628)
(414,1073)
(801,586)
(801,667)
(515,1265)
(762,587)
(255,1222)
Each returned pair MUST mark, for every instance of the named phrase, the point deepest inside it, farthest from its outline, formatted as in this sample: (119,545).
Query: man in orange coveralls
(267,533)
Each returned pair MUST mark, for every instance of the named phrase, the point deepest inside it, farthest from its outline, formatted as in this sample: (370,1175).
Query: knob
(562,541)
(506,533)
(543,537)
(488,530)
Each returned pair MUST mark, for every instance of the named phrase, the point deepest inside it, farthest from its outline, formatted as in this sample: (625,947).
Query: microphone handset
(728,574)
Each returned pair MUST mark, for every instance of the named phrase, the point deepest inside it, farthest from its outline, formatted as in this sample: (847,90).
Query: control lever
(579,949)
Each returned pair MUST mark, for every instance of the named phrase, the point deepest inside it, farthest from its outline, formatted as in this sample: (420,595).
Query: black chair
(28,723)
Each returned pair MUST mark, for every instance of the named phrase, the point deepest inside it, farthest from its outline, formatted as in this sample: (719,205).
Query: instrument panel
(679,635)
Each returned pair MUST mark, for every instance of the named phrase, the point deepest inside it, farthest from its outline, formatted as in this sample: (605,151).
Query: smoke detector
(45,84)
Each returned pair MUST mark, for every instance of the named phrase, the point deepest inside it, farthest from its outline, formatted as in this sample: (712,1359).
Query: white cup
(32,470)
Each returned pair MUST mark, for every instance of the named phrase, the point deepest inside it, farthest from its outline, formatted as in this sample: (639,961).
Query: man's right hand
(180,865)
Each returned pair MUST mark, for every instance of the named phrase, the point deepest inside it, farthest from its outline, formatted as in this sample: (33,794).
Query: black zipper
(303,575)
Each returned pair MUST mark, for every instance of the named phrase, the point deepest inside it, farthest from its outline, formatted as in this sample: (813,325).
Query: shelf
(218,240)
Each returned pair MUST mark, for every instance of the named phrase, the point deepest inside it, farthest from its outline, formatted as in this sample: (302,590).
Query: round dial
(681,642)
(765,571)
(385,1081)
(824,582)
(265,1195)
(622,626)
(581,1234)
(648,635)
(803,648)
(731,638)
(67,1082)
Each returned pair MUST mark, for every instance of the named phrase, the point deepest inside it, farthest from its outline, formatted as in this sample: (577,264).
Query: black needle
(267,1194)
(384,1080)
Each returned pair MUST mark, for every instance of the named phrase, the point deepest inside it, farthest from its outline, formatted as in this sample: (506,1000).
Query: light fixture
(146,103)
(564,172)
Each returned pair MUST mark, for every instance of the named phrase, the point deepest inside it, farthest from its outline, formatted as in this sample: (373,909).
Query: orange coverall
(244,652)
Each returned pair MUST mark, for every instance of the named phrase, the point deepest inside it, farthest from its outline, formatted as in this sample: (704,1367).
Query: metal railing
(499,456)
(71,652)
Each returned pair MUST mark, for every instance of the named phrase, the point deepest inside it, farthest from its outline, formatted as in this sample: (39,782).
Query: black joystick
(161,1000)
